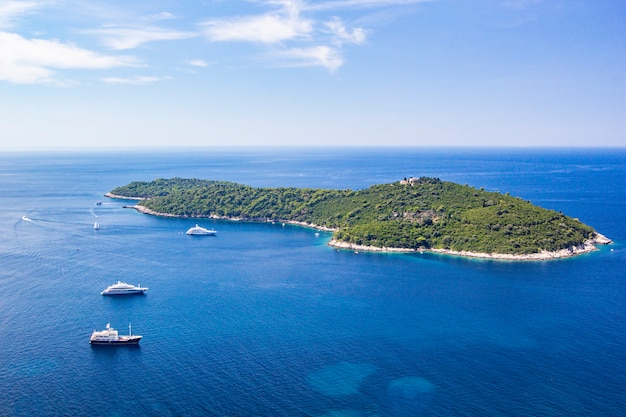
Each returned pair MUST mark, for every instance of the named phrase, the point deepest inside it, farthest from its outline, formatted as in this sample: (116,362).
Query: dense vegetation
(424,213)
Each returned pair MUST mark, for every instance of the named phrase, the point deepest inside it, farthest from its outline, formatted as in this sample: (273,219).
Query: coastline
(586,247)
(121,197)
(146,210)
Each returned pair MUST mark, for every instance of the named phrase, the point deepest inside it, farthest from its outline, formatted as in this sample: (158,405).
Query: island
(410,215)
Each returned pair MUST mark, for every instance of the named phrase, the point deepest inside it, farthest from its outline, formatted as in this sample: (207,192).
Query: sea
(268,320)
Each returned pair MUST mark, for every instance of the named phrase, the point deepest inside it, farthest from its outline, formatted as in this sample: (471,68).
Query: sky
(239,73)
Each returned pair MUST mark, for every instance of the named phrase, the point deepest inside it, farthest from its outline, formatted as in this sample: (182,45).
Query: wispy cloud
(342,34)
(11,10)
(324,56)
(140,80)
(292,33)
(272,27)
(197,63)
(358,4)
(157,17)
(119,38)
(35,60)
(297,38)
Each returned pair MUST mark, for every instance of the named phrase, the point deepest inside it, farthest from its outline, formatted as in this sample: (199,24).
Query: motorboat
(111,337)
(122,288)
(201,231)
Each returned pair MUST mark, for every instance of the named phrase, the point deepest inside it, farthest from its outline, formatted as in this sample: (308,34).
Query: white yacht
(122,288)
(110,337)
(96,226)
(201,231)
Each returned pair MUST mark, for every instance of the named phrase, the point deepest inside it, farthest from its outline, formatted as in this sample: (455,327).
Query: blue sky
(154,73)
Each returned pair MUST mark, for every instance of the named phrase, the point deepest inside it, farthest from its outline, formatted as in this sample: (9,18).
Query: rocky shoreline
(146,210)
(586,247)
(121,197)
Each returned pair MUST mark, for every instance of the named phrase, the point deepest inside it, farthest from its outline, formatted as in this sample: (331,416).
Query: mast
(130,332)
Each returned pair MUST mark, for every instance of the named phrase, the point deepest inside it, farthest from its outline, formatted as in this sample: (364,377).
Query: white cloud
(11,9)
(264,29)
(296,32)
(338,29)
(317,56)
(158,17)
(197,63)
(282,25)
(119,38)
(293,33)
(134,80)
(359,4)
(34,60)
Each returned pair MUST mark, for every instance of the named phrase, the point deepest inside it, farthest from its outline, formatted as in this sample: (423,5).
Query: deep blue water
(266,320)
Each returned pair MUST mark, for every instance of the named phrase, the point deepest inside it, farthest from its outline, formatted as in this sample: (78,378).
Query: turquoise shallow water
(268,320)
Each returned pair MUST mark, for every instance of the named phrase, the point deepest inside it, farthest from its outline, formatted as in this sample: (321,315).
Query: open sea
(267,320)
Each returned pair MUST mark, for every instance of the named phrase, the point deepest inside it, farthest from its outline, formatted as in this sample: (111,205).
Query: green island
(414,214)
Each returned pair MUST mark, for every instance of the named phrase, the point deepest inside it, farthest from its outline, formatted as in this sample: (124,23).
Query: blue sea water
(267,320)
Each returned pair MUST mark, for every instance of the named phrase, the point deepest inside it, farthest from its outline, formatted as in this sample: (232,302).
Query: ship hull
(129,292)
(133,340)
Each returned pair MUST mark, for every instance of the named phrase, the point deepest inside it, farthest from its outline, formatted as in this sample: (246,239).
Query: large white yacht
(201,231)
(122,288)
(110,337)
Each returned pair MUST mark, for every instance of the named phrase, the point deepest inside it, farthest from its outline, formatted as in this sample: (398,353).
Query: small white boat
(96,226)
(201,231)
(122,288)
(111,337)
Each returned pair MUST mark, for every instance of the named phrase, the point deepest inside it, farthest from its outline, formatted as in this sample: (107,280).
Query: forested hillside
(423,213)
